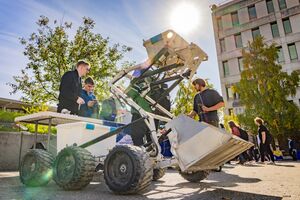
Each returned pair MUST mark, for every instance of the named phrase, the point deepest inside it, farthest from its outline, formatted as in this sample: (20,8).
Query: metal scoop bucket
(200,146)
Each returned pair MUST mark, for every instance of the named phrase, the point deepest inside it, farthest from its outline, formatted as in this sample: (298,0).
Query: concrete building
(238,21)
(11,105)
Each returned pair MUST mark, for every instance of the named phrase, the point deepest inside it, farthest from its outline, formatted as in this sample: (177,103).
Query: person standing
(70,89)
(292,148)
(90,108)
(265,140)
(206,103)
(234,129)
(252,151)
(237,131)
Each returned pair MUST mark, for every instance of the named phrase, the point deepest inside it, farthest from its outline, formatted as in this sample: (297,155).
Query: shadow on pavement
(283,165)
(224,179)
(252,165)
(221,179)
(208,191)
(205,190)
(230,195)
(11,188)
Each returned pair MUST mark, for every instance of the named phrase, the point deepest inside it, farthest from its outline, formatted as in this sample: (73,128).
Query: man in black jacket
(70,88)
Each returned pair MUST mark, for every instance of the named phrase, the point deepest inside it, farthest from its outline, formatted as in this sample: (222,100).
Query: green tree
(247,120)
(51,53)
(184,98)
(264,89)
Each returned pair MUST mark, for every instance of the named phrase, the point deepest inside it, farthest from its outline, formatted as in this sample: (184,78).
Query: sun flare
(184,18)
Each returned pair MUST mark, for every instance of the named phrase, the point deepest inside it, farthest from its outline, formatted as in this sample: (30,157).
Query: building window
(293,51)
(225,68)
(241,64)
(270,6)
(280,58)
(230,111)
(287,25)
(275,31)
(282,4)
(219,22)
(255,33)
(238,40)
(235,19)
(252,12)
(222,44)
(229,93)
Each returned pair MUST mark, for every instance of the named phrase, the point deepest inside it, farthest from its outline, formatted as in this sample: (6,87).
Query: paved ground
(234,182)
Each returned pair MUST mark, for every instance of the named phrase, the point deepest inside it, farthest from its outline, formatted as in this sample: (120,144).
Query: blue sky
(127,22)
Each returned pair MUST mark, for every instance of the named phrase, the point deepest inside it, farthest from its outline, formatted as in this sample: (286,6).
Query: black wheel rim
(29,166)
(120,169)
(65,167)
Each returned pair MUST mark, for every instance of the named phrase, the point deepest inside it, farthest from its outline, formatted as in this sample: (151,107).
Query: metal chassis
(150,117)
(146,116)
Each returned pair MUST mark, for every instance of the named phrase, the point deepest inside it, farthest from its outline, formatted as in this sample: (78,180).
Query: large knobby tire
(36,168)
(194,177)
(128,169)
(158,173)
(73,168)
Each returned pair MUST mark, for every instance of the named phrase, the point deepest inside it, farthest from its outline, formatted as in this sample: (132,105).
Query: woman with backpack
(237,131)
(265,140)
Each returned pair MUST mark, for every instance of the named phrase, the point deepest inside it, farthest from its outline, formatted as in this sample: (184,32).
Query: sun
(184,18)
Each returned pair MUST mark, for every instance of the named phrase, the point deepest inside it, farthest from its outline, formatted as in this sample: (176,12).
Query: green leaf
(264,90)
(51,52)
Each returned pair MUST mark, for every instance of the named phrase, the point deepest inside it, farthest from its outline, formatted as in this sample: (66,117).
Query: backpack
(244,134)
(269,137)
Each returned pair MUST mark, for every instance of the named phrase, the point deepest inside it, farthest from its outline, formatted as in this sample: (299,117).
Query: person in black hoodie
(70,88)
(265,140)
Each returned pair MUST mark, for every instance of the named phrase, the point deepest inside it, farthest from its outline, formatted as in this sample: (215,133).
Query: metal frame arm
(109,134)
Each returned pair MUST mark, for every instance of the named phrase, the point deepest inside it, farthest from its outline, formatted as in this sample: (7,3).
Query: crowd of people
(80,100)
(262,149)
(208,101)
